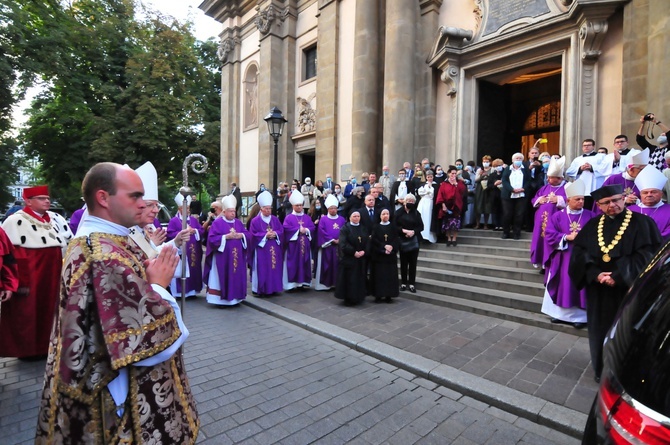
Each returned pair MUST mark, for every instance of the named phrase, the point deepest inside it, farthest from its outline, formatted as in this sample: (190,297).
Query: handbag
(409,244)
(484,183)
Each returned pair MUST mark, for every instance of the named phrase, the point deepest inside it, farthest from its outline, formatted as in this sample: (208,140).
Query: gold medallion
(607,258)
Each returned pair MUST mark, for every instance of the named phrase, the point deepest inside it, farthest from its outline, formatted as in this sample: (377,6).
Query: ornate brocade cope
(110,317)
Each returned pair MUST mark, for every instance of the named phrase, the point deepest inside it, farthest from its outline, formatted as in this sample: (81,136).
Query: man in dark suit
(401,188)
(516,182)
(369,214)
(235,191)
(381,201)
(329,184)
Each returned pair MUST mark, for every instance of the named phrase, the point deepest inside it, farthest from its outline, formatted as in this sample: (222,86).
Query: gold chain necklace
(601,242)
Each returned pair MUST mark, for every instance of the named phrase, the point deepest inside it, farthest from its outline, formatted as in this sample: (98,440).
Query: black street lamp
(276,121)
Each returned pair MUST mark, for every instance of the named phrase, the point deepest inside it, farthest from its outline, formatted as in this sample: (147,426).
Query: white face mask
(485,164)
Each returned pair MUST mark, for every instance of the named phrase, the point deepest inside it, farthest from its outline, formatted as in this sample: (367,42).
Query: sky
(204,27)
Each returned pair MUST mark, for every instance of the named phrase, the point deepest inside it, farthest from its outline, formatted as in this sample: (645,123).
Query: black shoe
(579,325)
(412,289)
(596,378)
(517,237)
(504,236)
(453,243)
(555,320)
(541,271)
(403,287)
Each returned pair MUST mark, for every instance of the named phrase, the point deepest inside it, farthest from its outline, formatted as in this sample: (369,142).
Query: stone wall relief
(306,114)
(591,33)
(225,48)
(251,97)
(264,19)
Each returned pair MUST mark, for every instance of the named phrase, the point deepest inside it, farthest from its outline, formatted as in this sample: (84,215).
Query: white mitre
(577,188)
(296,198)
(650,178)
(264,199)
(149,177)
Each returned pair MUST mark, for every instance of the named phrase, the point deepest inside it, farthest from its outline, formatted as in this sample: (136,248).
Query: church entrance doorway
(518,108)
(307,166)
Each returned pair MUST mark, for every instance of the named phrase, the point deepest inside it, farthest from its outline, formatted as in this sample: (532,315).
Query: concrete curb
(533,408)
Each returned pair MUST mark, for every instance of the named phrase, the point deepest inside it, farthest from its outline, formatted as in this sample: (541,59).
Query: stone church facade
(366,83)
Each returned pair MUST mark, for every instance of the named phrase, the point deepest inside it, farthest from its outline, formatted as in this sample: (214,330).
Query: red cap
(39,190)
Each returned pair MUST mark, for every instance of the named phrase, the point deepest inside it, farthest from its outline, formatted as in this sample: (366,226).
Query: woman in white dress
(427,193)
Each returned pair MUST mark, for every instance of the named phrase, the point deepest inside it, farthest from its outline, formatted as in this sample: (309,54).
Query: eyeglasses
(41,198)
(610,201)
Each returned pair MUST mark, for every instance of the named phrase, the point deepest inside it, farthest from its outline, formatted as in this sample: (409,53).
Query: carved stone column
(365,112)
(426,87)
(591,33)
(399,82)
(229,56)
(275,21)
(326,88)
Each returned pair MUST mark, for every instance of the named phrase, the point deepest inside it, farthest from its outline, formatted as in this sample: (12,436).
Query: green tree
(121,90)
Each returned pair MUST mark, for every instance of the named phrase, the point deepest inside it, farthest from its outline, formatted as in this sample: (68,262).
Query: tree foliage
(121,89)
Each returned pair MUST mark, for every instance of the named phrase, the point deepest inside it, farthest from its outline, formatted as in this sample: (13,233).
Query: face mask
(386,173)
(317,207)
(426,165)
(353,181)
(545,165)
(337,191)
(263,189)
(662,139)
(401,177)
(327,179)
(410,205)
(499,168)
(485,164)
(308,182)
(439,173)
(459,167)
(518,163)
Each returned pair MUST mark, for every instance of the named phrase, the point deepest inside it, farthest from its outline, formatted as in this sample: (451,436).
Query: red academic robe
(27,317)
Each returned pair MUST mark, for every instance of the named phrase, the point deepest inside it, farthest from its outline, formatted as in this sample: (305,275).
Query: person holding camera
(656,153)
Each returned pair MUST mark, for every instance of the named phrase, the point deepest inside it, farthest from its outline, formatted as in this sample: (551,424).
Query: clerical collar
(593,153)
(93,224)
(355,224)
(298,214)
(627,176)
(574,212)
(266,219)
(229,220)
(385,223)
(657,205)
(331,216)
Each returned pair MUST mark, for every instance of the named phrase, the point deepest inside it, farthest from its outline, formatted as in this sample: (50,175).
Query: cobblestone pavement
(260,380)
(551,365)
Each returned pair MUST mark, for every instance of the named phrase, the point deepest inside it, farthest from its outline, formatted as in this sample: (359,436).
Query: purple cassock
(559,286)
(628,188)
(660,214)
(298,251)
(267,255)
(191,252)
(326,264)
(75,219)
(226,262)
(543,214)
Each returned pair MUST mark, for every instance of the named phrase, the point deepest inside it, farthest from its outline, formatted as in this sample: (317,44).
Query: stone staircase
(486,275)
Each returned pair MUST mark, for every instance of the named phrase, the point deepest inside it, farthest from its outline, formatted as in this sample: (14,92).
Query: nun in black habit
(354,247)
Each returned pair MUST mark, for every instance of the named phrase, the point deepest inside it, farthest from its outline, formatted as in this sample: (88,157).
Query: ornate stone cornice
(264,19)
(225,47)
(426,6)
(592,33)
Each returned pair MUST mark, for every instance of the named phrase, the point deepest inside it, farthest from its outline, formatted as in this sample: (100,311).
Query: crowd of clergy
(348,239)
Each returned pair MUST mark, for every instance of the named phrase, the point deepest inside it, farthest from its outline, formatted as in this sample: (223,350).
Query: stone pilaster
(276,23)
(399,82)
(229,56)
(365,113)
(426,87)
(326,88)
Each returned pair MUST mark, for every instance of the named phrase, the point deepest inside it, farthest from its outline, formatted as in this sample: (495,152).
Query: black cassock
(384,266)
(351,272)
(628,259)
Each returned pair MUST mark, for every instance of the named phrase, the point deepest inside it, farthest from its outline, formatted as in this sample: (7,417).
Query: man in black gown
(609,253)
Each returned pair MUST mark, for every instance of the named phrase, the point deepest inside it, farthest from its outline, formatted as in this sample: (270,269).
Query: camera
(649,117)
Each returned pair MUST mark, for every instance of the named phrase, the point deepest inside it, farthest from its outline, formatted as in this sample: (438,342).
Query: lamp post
(275,120)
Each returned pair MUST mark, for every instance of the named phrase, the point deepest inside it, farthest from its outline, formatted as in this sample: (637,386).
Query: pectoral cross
(386,237)
(232,231)
(359,239)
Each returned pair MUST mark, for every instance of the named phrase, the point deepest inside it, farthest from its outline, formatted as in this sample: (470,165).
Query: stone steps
(486,275)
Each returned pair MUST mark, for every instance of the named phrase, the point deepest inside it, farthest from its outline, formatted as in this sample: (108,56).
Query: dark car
(633,403)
